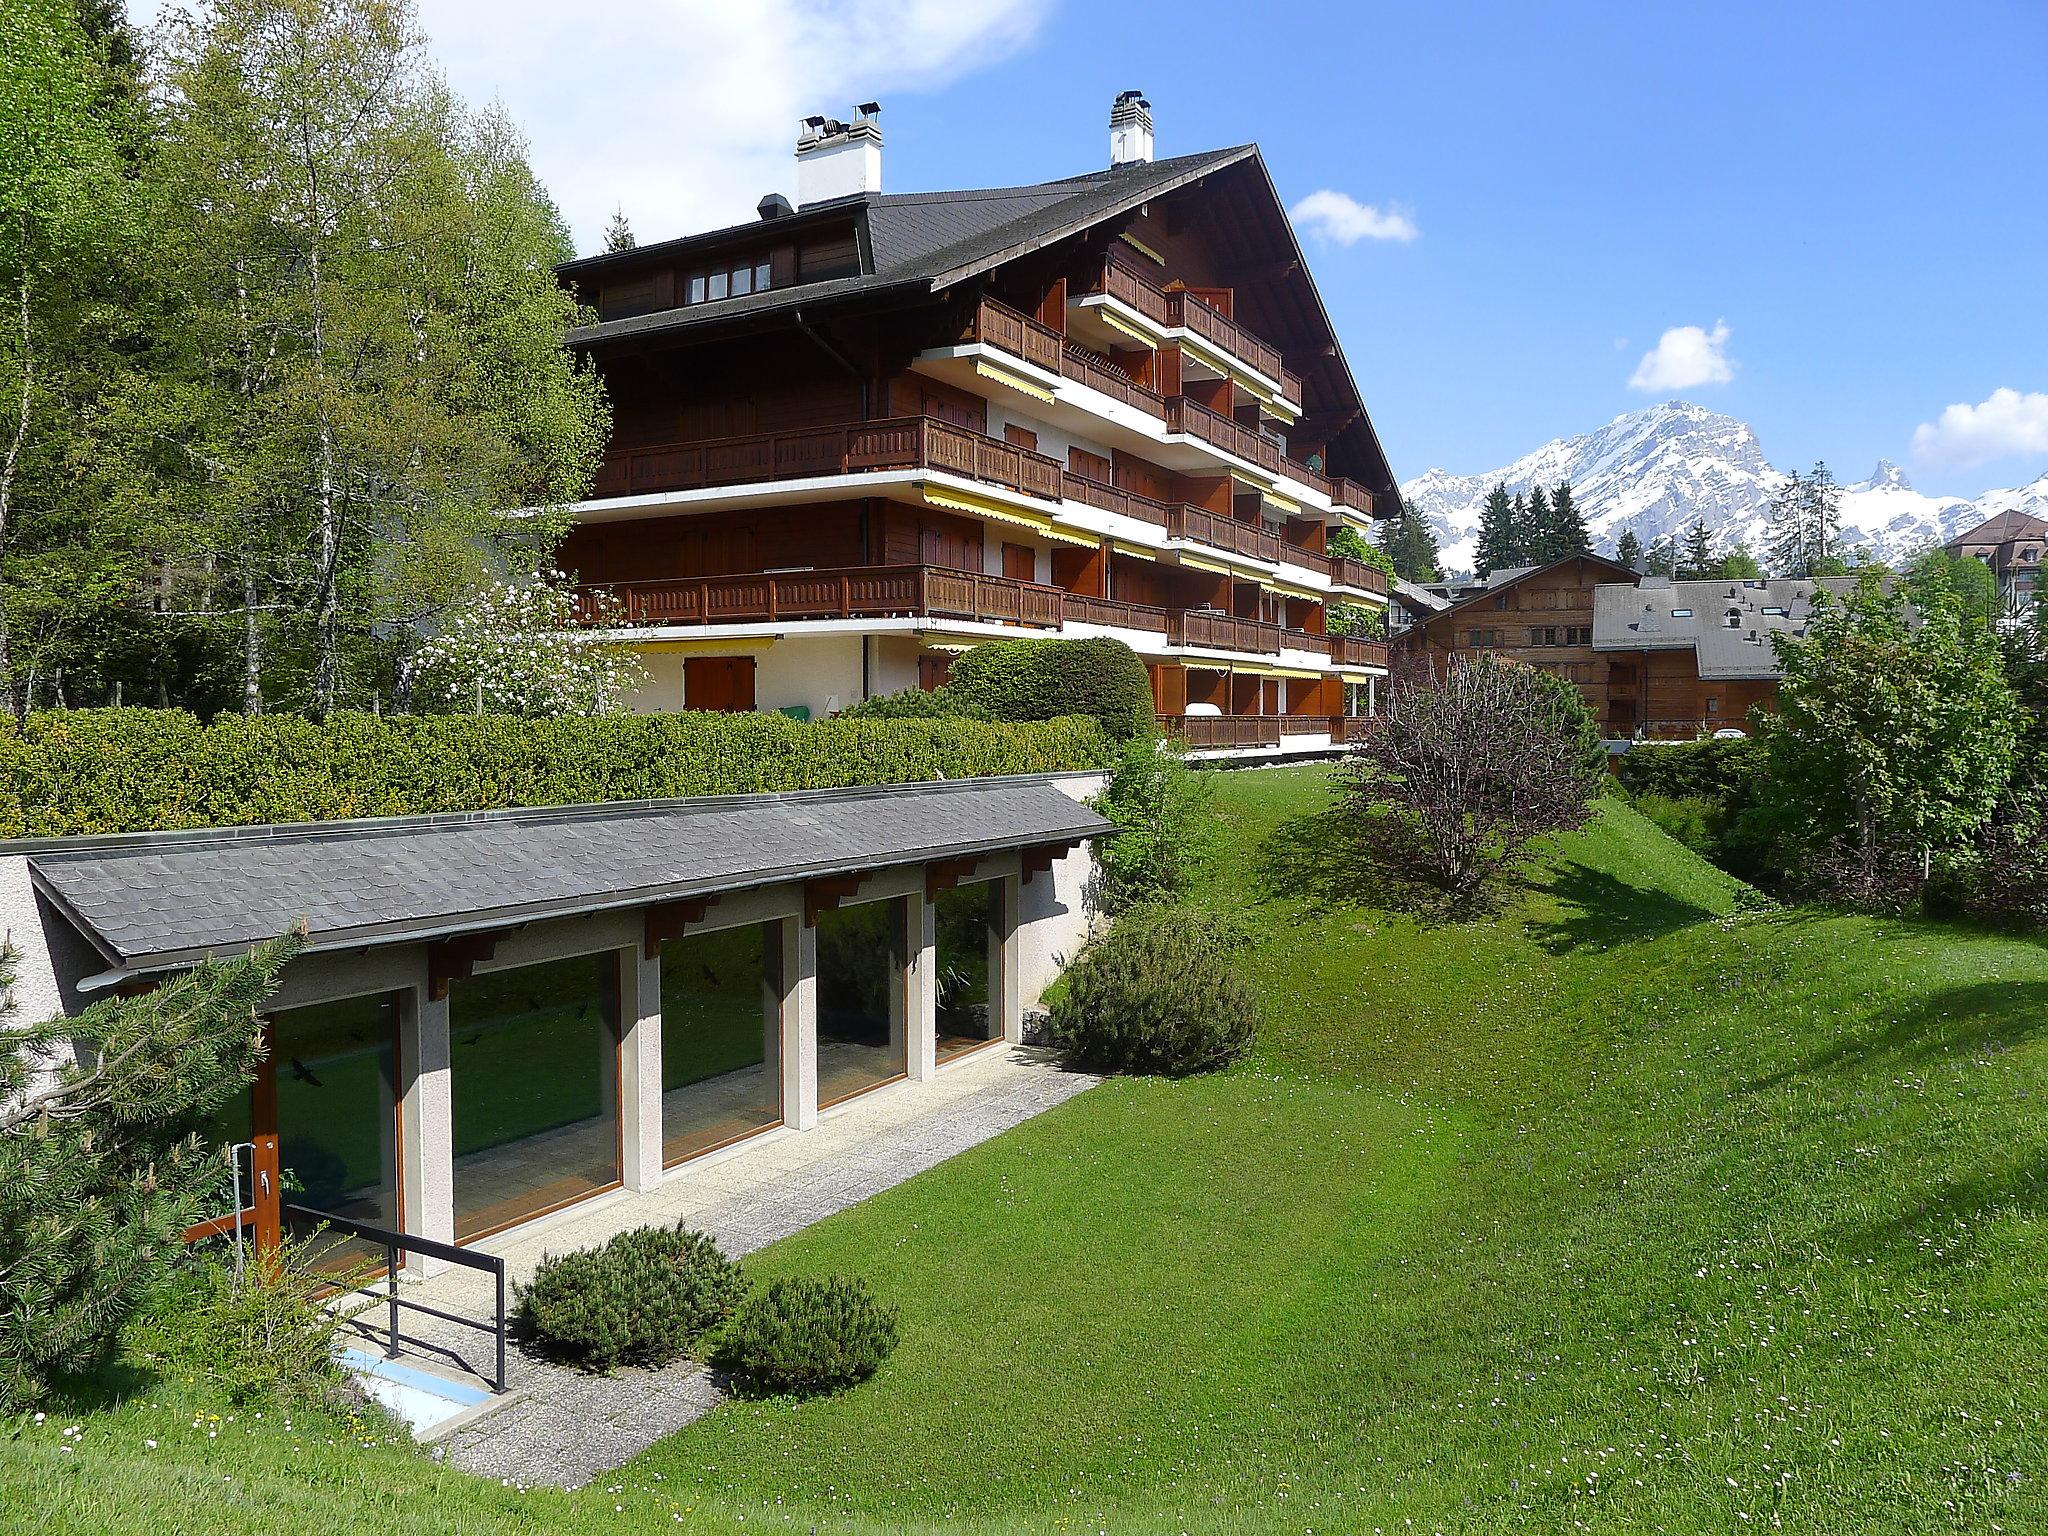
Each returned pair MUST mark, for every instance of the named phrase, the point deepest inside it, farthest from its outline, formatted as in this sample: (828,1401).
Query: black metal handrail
(396,1243)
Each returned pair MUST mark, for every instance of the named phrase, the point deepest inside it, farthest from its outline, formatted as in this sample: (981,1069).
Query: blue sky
(1856,193)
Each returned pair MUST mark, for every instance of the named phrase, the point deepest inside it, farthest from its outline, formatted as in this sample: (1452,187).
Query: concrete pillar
(427,1118)
(640,1067)
(1006,970)
(920,972)
(794,982)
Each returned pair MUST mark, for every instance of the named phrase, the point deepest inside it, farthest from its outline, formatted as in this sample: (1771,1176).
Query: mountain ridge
(1659,470)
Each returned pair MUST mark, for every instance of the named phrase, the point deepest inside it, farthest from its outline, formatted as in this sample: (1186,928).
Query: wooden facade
(779,394)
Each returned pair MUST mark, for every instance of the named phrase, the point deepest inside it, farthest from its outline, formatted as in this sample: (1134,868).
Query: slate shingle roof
(155,900)
(1654,617)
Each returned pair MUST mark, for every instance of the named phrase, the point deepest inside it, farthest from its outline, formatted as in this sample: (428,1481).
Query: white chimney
(1130,129)
(835,159)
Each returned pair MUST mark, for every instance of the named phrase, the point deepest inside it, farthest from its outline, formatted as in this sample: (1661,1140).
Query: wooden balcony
(1083,609)
(1356,574)
(1349,493)
(898,443)
(1186,310)
(1010,330)
(1084,367)
(1198,421)
(1222,631)
(1140,293)
(1229,533)
(1357,651)
(1110,498)
(1308,640)
(862,592)
(1213,732)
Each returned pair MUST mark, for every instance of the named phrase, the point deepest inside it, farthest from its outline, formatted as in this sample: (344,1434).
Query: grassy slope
(1623,1208)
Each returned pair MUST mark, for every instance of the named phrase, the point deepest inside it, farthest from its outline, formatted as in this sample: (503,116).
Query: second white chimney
(1130,129)
(835,159)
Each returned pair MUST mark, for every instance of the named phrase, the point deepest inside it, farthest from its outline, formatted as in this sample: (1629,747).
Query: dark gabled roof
(154,901)
(2002,528)
(1499,581)
(921,240)
(1662,614)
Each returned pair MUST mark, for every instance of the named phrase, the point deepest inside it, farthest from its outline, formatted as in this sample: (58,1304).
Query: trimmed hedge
(1045,679)
(80,772)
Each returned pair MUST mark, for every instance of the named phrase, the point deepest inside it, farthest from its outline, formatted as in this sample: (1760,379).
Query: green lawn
(1629,1209)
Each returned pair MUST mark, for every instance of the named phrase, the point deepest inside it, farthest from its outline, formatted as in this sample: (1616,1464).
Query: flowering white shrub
(528,648)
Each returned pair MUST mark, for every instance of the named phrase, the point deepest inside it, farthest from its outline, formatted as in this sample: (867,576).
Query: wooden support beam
(826,894)
(453,959)
(667,920)
(944,874)
(1038,860)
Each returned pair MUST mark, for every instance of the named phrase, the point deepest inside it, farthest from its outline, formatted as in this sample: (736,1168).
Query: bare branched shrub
(1464,770)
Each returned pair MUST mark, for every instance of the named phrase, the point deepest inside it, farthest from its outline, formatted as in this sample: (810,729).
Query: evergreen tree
(1499,528)
(1568,524)
(1628,549)
(102,1167)
(1698,560)
(618,234)
(1534,545)
(1662,556)
(1412,547)
(1806,518)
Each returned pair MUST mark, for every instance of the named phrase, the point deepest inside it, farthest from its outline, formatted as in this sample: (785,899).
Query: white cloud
(1341,217)
(684,112)
(2004,426)
(1685,357)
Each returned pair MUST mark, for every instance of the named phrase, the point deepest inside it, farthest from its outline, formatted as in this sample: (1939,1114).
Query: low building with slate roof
(495,1015)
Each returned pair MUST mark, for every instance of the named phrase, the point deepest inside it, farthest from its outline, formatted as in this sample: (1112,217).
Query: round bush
(1156,993)
(646,1297)
(805,1335)
(1045,679)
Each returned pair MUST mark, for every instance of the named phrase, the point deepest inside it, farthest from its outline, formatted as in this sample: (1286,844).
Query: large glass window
(337,1119)
(966,1012)
(861,1039)
(534,1072)
(721,1071)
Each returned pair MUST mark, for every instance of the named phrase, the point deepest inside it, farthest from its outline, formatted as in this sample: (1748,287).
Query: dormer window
(729,281)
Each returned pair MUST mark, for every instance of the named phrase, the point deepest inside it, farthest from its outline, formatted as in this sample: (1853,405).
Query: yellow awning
(1015,381)
(1140,246)
(1253,669)
(960,501)
(1291,591)
(1116,322)
(1135,551)
(1214,568)
(1280,503)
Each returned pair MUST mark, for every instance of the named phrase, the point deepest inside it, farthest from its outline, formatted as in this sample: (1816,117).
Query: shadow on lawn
(1599,911)
(1944,1222)
(1326,862)
(1976,1020)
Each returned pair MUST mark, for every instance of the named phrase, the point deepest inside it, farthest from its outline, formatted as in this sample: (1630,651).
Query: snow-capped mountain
(1658,471)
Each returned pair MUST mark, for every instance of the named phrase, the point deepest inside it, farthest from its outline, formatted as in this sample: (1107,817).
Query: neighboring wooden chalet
(1652,657)
(864,432)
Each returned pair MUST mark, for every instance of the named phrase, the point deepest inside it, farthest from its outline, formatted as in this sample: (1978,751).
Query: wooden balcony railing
(1206,732)
(1219,330)
(1222,631)
(1084,367)
(1146,297)
(903,442)
(1357,651)
(1110,498)
(1083,609)
(1015,332)
(1308,640)
(862,592)
(1198,421)
(1221,532)
(1356,574)
(1349,493)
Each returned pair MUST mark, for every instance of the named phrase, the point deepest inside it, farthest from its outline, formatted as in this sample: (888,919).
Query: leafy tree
(1499,532)
(1464,770)
(1412,547)
(62,207)
(369,367)
(1740,565)
(1628,549)
(618,234)
(1806,517)
(1894,738)
(1353,545)
(101,1163)
(1969,581)
(1698,558)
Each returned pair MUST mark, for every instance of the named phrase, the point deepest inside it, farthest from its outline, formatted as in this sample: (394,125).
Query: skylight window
(1681,613)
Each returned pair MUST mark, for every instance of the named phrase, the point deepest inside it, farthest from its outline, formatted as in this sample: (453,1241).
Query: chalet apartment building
(2012,544)
(865,432)
(1652,657)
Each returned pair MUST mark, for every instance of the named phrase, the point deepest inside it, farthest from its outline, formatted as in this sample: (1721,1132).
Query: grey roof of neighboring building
(1422,599)
(2001,528)
(925,241)
(1724,621)
(152,901)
